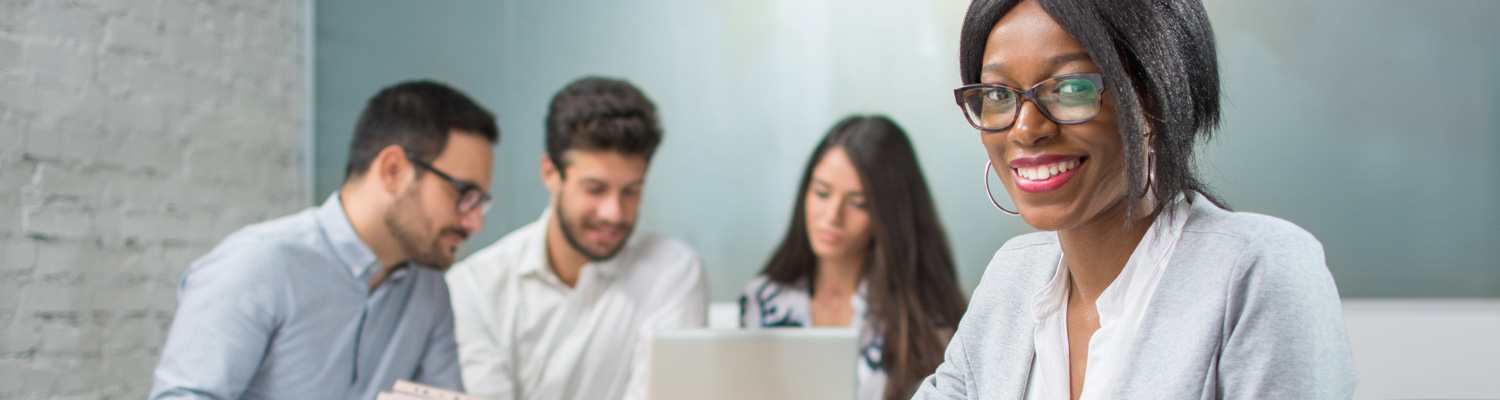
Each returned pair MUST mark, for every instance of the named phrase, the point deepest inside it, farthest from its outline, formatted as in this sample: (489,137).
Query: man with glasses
(342,300)
(559,309)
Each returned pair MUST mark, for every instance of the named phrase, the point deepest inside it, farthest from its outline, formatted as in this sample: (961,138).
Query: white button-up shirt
(1120,308)
(524,334)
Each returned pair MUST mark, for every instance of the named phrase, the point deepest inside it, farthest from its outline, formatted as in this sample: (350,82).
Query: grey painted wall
(1372,124)
(1375,125)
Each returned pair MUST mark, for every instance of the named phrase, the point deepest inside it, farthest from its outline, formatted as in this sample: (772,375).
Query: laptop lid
(758,364)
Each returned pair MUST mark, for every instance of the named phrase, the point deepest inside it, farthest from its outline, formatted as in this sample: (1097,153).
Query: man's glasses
(1067,99)
(470,196)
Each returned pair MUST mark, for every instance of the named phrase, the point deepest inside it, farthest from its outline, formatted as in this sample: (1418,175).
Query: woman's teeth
(1043,172)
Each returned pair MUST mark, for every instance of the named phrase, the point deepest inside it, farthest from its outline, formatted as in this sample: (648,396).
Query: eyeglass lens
(469,200)
(1064,101)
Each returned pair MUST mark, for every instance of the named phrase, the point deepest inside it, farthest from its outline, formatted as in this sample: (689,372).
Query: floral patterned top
(768,304)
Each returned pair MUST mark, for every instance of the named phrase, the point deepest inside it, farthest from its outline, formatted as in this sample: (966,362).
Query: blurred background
(136,134)
(1373,124)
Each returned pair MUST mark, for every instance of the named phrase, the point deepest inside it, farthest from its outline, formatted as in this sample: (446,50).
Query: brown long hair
(913,290)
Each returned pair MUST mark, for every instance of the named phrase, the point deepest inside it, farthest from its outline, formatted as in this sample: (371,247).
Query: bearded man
(342,300)
(560,309)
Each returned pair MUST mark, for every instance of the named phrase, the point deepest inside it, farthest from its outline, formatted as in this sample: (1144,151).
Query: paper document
(408,390)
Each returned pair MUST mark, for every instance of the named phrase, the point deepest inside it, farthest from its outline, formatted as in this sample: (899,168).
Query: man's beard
(405,219)
(567,231)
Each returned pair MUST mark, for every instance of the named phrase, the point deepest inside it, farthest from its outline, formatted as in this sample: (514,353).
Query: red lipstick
(1044,173)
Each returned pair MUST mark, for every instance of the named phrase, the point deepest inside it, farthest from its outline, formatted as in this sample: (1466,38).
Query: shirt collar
(1160,238)
(346,244)
(535,262)
(1146,261)
(1050,299)
(1163,234)
(534,256)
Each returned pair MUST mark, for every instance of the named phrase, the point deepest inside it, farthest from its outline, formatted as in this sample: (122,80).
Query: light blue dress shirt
(283,310)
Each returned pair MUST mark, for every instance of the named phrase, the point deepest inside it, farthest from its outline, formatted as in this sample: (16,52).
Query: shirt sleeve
(685,307)
(1285,335)
(484,363)
(439,367)
(229,304)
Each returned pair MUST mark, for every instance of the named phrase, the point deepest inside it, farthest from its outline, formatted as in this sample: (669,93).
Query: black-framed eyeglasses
(470,196)
(1067,99)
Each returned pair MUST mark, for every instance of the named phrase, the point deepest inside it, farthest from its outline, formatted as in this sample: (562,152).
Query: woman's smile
(1044,173)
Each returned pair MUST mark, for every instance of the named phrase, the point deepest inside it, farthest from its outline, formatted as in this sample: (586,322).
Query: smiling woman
(1139,269)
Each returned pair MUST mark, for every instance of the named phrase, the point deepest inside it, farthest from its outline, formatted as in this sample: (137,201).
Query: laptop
(752,364)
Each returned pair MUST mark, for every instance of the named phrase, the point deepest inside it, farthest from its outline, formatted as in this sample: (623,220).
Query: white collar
(1145,261)
(534,262)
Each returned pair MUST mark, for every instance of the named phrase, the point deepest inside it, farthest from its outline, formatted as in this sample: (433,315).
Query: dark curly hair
(601,114)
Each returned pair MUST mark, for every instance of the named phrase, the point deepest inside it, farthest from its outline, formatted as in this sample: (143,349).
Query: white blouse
(1120,307)
(768,304)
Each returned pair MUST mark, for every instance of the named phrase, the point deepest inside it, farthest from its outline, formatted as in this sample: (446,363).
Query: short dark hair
(913,287)
(416,115)
(601,114)
(1159,62)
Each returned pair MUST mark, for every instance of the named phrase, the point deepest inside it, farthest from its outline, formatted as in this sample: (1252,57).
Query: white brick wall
(134,134)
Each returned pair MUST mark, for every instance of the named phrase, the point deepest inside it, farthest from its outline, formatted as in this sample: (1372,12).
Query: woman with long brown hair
(865,250)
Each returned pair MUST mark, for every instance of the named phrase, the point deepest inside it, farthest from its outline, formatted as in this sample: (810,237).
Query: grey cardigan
(1246,309)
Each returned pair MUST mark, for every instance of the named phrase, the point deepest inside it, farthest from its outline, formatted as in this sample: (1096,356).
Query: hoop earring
(988,169)
(1151,169)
